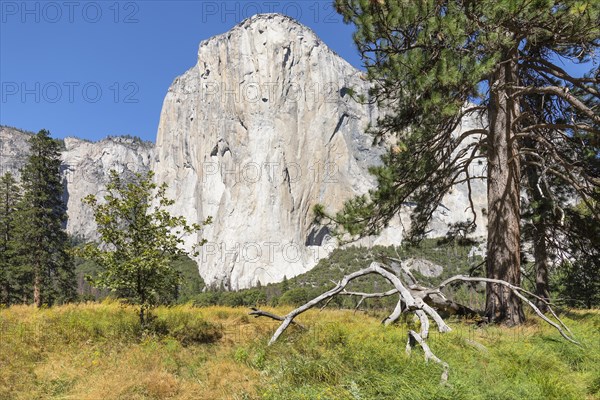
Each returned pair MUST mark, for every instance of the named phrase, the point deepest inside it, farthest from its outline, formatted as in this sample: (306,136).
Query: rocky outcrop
(261,129)
(424,267)
(14,148)
(86,167)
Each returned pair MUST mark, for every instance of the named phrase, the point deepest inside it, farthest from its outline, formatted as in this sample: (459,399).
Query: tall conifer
(9,272)
(41,217)
(433,63)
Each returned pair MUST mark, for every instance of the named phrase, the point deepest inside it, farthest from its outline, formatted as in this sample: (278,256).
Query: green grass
(98,351)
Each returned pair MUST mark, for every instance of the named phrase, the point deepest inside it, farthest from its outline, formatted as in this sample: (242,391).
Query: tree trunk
(540,253)
(539,233)
(503,246)
(37,298)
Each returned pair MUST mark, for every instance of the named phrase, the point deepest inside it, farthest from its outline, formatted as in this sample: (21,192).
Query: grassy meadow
(98,351)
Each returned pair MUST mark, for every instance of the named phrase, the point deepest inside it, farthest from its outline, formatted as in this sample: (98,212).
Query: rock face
(261,129)
(85,168)
(254,135)
(424,267)
(258,131)
(14,148)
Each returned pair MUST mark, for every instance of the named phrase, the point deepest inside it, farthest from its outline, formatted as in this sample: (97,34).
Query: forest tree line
(39,262)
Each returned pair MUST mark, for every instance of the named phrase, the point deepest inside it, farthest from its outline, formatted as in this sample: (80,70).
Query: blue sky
(96,68)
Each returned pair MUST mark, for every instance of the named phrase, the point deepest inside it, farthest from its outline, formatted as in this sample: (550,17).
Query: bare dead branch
(404,268)
(406,297)
(428,353)
(364,296)
(518,291)
(413,298)
(259,313)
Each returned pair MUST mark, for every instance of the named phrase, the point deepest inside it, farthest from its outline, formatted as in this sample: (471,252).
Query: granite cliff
(255,134)
(258,131)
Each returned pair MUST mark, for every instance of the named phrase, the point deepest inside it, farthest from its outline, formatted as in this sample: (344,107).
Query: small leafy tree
(139,241)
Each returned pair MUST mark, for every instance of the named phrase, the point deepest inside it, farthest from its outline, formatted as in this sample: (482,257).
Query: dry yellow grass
(34,363)
(94,352)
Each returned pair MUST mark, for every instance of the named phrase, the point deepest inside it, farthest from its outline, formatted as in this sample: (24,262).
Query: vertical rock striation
(261,129)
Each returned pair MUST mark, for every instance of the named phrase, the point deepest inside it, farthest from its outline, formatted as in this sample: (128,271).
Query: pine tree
(139,241)
(547,198)
(10,194)
(42,243)
(578,278)
(434,63)
(285,285)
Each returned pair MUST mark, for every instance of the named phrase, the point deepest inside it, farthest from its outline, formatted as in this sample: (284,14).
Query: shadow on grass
(580,314)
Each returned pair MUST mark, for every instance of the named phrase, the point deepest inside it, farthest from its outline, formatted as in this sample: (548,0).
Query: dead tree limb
(519,292)
(414,336)
(405,296)
(411,299)
(259,313)
(364,296)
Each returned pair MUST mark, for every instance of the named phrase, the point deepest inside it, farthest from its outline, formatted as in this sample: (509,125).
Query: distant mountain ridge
(85,168)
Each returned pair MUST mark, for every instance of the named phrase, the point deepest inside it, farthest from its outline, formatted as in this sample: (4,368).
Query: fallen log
(422,301)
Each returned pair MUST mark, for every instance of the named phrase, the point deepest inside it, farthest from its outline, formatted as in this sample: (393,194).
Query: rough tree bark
(540,254)
(503,245)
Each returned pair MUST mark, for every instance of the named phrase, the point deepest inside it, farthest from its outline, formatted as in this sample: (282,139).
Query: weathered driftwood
(422,301)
